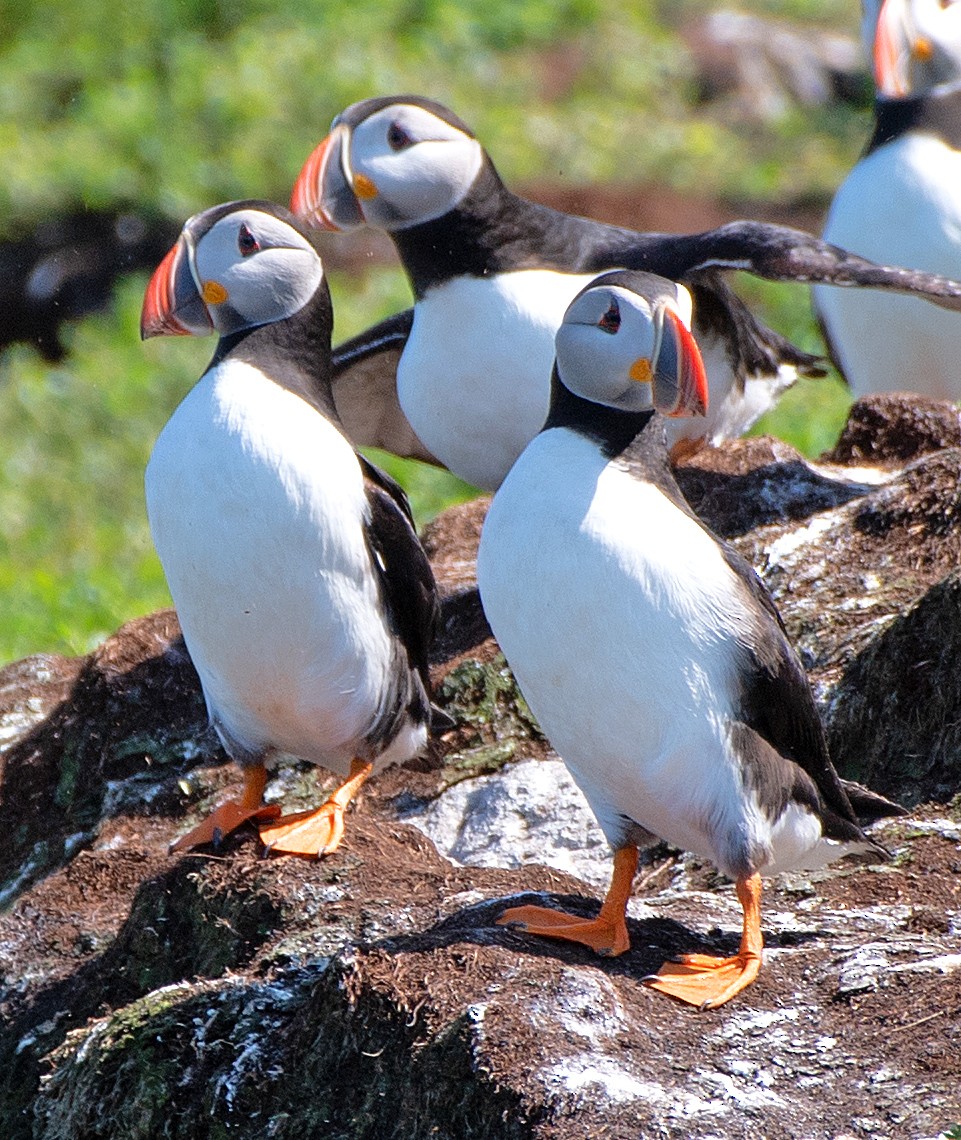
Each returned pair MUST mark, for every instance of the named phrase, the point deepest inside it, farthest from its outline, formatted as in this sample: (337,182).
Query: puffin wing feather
(406,578)
(780,253)
(777,704)
(364,386)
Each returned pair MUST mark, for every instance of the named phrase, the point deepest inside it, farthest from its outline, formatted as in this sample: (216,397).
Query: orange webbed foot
(703,981)
(318,832)
(308,833)
(708,982)
(221,822)
(604,935)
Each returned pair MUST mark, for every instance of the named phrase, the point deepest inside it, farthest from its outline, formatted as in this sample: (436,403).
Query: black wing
(752,348)
(783,254)
(779,721)
(364,386)
(776,701)
(777,704)
(406,578)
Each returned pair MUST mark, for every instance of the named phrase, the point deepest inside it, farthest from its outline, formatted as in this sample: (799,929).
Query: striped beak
(323,196)
(172,305)
(676,372)
(893,44)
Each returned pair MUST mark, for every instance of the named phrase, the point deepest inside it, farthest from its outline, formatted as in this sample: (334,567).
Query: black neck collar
(936,113)
(295,353)
(613,430)
(491,230)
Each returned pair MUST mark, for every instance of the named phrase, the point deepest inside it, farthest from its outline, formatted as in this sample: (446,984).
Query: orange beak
(306,197)
(172,305)
(679,381)
(892,51)
(322,195)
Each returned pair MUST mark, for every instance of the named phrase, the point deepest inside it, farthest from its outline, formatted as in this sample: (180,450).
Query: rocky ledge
(372,996)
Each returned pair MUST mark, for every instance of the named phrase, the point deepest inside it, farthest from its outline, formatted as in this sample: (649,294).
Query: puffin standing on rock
(648,650)
(902,202)
(305,598)
(492,274)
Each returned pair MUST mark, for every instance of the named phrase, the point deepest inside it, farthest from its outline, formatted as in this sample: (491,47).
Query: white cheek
(427,180)
(273,284)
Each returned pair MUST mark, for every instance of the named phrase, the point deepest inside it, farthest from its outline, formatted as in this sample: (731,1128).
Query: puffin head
(234,267)
(916,44)
(625,342)
(391,162)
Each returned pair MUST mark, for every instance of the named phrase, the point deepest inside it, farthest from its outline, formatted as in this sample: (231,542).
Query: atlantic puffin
(305,598)
(492,274)
(902,202)
(650,653)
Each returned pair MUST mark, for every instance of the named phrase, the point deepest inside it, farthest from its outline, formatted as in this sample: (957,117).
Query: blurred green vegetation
(171,104)
(168,106)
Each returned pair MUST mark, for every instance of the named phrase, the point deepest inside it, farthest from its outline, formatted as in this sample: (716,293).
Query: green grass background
(172,106)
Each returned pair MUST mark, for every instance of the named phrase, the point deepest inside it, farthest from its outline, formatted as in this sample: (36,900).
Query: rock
(891,428)
(760,68)
(531,812)
(373,994)
(88,738)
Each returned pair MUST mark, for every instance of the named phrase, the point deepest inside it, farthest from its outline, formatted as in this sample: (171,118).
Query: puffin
(649,651)
(902,202)
(467,370)
(306,600)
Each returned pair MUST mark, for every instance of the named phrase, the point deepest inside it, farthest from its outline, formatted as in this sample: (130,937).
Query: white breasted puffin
(902,202)
(305,598)
(493,273)
(649,651)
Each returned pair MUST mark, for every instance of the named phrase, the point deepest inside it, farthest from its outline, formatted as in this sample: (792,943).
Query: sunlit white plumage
(490,332)
(305,599)
(647,650)
(256,504)
(902,204)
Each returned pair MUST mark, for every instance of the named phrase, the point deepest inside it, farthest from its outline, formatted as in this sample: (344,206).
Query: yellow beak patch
(364,186)
(213,293)
(922,49)
(641,370)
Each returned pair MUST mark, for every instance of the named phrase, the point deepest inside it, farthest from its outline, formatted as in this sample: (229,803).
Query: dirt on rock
(373,995)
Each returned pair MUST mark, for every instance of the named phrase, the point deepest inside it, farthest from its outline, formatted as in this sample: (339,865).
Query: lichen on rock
(373,995)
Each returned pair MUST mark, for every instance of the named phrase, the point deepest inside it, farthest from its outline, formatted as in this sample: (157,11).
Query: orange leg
(318,832)
(230,815)
(709,982)
(606,934)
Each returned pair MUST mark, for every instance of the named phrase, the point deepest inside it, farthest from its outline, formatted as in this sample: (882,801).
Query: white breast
(900,205)
(474,379)
(618,615)
(255,504)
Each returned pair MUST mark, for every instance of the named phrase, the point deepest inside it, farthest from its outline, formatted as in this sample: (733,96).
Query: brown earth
(371,995)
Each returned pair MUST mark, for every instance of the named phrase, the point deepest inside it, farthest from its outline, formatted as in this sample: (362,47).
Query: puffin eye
(246,242)
(397,137)
(611,321)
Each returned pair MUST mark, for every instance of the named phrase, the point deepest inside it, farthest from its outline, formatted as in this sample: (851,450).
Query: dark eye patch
(246,242)
(397,137)
(611,321)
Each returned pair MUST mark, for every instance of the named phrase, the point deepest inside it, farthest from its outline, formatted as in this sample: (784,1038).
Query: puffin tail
(440,722)
(869,806)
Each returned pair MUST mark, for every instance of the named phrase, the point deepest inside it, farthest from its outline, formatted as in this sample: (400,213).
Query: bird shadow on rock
(734,502)
(654,940)
(119,728)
